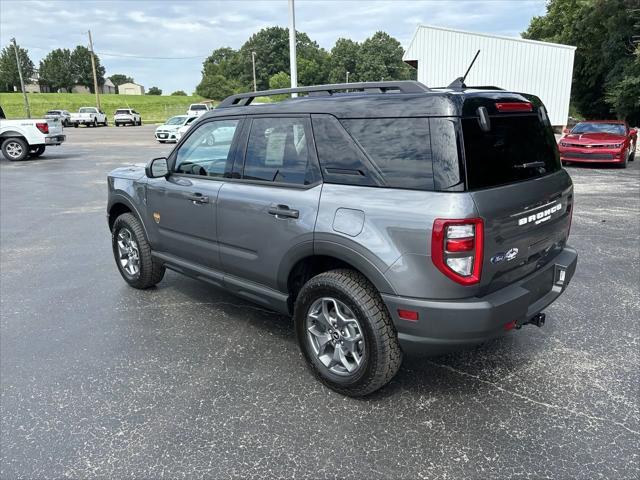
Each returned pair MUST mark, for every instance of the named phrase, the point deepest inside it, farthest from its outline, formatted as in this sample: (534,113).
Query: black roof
(380,99)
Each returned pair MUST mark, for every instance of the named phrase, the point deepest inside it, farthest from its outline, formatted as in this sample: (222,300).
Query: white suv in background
(124,116)
(197,109)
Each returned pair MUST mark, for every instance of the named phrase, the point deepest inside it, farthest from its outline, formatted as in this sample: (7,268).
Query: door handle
(197,198)
(283,211)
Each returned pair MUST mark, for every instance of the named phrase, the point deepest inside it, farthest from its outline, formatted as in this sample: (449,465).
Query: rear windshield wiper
(529,165)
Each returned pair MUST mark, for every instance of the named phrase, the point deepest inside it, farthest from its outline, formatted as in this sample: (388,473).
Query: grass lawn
(153,108)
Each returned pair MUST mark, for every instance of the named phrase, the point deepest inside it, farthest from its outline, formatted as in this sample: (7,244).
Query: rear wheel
(36,152)
(132,253)
(346,334)
(75,125)
(15,149)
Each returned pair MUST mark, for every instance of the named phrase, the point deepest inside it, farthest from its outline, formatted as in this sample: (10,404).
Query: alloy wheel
(335,336)
(14,150)
(128,252)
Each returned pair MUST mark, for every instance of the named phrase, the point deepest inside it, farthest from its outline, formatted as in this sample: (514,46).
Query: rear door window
(399,148)
(277,151)
(517,148)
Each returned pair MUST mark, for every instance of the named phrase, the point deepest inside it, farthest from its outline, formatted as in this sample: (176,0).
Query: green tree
(119,78)
(277,81)
(602,31)
(179,93)
(624,96)
(343,59)
(380,58)
(154,91)
(272,56)
(9,76)
(81,59)
(222,61)
(217,87)
(57,69)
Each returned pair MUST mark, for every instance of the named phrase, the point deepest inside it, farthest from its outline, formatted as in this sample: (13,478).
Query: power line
(125,55)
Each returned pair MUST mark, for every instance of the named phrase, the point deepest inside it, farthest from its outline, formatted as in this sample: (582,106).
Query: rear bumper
(442,325)
(54,139)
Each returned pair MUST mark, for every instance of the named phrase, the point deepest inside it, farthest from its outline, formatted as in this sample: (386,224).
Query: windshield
(516,148)
(87,110)
(122,112)
(179,120)
(611,128)
(198,107)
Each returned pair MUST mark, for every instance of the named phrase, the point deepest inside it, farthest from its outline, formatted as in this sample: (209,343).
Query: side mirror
(157,168)
(565,130)
(633,132)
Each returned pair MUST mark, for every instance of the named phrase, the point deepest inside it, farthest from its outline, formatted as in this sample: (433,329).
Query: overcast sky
(184,28)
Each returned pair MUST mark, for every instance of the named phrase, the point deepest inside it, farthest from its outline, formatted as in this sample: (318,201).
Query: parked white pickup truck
(20,138)
(89,116)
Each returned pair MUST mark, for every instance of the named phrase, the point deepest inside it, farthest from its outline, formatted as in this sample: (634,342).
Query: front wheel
(346,334)
(132,253)
(15,149)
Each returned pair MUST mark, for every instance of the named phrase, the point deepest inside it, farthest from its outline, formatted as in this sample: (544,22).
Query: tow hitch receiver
(537,320)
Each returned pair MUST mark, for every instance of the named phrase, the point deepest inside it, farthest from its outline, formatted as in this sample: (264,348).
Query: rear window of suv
(122,112)
(516,148)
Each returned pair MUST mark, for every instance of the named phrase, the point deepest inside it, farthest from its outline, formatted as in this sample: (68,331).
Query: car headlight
(613,145)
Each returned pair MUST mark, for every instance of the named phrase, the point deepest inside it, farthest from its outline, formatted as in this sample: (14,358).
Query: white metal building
(130,89)
(542,69)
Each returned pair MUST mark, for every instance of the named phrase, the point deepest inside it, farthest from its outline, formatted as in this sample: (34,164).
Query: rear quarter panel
(387,232)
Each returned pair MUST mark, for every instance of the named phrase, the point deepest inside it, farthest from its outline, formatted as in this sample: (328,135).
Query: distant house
(34,85)
(80,89)
(130,89)
(108,87)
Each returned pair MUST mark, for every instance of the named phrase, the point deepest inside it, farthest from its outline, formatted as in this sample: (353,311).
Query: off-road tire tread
(389,354)
(151,271)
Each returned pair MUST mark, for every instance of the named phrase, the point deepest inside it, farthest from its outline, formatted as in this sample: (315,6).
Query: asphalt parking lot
(186,381)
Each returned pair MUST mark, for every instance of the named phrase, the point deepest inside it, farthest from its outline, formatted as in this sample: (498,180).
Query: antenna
(459,82)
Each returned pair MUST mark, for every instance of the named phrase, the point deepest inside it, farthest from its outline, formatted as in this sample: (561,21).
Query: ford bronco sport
(384,217)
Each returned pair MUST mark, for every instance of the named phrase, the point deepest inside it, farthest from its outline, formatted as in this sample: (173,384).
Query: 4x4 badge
(508,256)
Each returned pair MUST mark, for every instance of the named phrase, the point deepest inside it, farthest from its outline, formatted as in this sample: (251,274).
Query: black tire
(36,152)
(382,354)
(626,161)
(632,156)
(162,141)
(75,125)
(15,149)
(150,271)
(95,123)
(140,122)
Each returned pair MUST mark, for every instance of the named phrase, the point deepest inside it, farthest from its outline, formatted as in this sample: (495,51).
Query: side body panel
(394,238)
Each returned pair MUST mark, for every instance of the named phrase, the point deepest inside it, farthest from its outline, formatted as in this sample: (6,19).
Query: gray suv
(383,217)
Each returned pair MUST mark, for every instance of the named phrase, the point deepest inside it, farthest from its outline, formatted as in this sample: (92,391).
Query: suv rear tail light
(457,248)
(514,107)
(43,127)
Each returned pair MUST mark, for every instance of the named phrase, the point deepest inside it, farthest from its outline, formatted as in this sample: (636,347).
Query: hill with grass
(152,108)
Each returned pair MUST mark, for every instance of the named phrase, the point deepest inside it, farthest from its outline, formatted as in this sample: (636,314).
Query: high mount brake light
(43,127)
(506,107)
(457,248)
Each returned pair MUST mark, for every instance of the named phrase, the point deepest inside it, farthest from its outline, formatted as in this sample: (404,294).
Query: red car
(606,141)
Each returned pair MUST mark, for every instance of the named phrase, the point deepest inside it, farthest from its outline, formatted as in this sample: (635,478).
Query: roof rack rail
(403,86)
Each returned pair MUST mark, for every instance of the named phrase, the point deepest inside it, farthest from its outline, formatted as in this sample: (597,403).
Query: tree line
(606,71)
(227,71)
(60,69)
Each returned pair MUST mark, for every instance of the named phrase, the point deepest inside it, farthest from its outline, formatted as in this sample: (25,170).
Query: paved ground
(184,381)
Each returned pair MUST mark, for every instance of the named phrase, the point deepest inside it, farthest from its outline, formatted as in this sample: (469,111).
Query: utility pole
(24,94)
(347,77)
(95,76)
(292,46)
(253,61)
